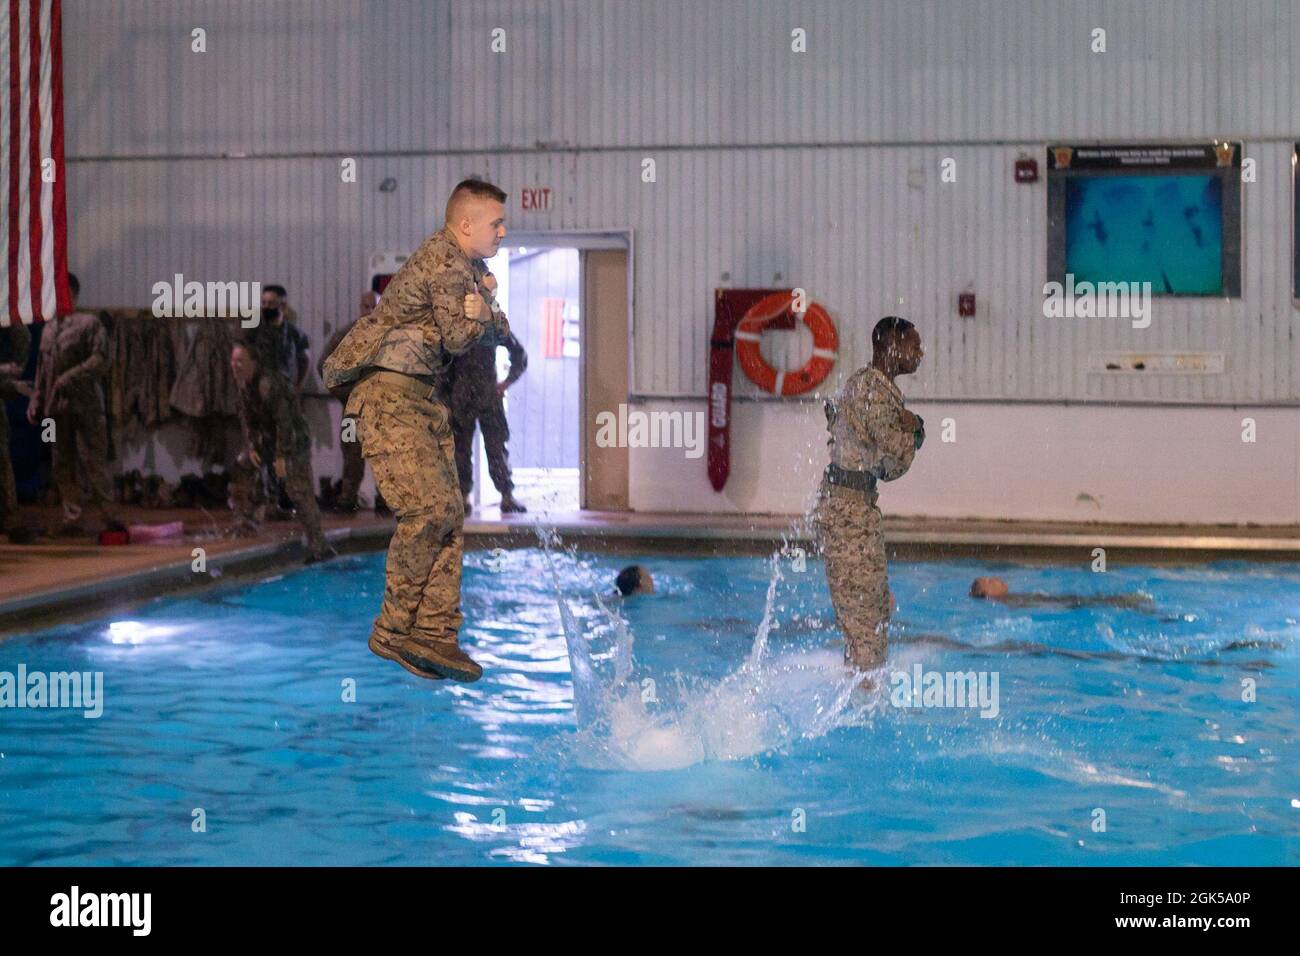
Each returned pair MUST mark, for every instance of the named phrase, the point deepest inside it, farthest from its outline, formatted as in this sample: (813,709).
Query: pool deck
(59,579)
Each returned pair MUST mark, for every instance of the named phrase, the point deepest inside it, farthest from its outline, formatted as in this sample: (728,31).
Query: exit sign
(536,199)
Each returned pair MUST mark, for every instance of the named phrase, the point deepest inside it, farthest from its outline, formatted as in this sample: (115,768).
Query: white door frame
(580,239)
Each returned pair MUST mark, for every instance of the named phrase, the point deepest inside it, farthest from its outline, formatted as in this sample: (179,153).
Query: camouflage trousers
(408,442)
(853,547)
(8,487)
(248,490)
(491,420)
(81,440)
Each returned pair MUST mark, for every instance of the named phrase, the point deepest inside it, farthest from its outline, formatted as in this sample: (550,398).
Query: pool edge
(56,605)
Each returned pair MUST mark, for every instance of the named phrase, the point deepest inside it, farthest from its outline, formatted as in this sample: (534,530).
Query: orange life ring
(768,311)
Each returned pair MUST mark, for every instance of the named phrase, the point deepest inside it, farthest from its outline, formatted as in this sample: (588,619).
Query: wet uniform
(71,365)
(273,425)
(869,442)
(399,353)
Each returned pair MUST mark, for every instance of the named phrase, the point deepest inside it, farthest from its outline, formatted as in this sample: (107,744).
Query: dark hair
(480,188)
(629,579)
(887,328)
(277,289)
(73,284)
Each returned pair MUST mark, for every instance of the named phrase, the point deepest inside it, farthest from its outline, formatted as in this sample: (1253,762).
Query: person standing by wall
(71,366)
(280,344)
(15,345)
(477,401)
(275,433)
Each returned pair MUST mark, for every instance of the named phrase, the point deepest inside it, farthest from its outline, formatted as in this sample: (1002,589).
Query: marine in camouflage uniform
(872,438)
(429,311)
(278,340)
(15,345)
(275,432)
(476,401)
(70,367)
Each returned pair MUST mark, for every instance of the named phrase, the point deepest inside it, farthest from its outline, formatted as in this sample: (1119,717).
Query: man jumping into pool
(440,303)
(872,438)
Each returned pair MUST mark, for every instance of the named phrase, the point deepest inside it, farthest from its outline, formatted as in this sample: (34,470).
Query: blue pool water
(713,724)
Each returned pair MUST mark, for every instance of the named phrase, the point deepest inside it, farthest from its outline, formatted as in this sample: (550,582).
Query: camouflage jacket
(420,320)
(340,392)
(474,374)
(283,346)
(271,417)
(867,431)
(71,364)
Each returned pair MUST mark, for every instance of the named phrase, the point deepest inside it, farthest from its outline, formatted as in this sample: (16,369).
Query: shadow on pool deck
(58,579)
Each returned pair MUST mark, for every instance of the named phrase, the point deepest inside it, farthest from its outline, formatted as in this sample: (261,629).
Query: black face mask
(268,315)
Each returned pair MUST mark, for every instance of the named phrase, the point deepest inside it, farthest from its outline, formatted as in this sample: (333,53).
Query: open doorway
(540,289)
(568,297)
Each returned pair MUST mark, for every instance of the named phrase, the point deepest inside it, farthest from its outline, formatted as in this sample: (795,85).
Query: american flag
(33,219)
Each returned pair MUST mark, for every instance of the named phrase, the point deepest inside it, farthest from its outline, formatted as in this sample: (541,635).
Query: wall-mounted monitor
(1169,215)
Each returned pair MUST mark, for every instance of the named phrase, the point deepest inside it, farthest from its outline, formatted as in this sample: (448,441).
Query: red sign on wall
(538,199)
(553,328)
(729,306)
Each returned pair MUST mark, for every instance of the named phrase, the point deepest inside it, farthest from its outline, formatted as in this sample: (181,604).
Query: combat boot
(510,506)
(393,652)
(441,656)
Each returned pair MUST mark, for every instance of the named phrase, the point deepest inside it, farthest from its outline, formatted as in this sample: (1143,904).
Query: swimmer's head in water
(634,579)
(896,344)
(989,588)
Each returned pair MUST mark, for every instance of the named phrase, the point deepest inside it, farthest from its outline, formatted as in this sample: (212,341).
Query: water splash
(768,702)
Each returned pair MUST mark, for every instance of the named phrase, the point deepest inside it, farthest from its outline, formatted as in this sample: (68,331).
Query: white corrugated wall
(322,75)
(743,131)
(821,168)
(816,217)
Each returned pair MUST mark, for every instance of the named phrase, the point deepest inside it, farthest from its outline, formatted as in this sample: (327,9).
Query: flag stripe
(6,225)
(34,147)
(58,202)
(22,51)
(33,212)
(15,110)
